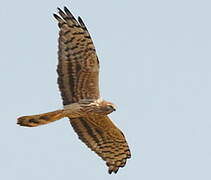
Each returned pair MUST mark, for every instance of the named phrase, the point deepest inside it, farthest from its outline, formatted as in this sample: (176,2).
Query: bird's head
(111,106)
(106,106)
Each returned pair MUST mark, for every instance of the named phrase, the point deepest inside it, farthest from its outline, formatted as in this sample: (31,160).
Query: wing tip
(59,9)
(80,19)
(56,16)
(113,169)
(65,14)
(67,10)
(82,23)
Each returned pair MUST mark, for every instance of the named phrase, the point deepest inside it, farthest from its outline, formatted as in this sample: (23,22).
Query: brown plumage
(78,73)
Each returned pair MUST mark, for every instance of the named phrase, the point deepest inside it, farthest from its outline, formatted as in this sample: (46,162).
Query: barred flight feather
(78,66)
(111,148)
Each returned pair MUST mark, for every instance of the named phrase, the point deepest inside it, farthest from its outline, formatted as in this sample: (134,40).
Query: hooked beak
(113,108)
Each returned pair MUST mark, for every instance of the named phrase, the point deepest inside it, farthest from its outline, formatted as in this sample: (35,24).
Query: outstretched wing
(104,138)
(78,66)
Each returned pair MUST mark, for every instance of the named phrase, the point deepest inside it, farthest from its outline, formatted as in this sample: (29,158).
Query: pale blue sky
(155,65)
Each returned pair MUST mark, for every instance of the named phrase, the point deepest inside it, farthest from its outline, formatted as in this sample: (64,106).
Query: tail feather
(40,119)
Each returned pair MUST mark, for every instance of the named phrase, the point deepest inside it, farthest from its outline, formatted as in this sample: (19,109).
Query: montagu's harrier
(78,70)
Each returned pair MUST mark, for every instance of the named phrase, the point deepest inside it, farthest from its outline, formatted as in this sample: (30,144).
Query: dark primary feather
(69,13)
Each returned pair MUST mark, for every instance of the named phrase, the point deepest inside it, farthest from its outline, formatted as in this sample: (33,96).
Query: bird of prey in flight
(78,76)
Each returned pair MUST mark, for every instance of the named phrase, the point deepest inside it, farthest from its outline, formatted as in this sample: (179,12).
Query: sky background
(155,61)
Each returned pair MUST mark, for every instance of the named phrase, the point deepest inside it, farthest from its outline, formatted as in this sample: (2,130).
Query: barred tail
(40,119)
